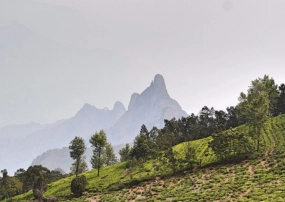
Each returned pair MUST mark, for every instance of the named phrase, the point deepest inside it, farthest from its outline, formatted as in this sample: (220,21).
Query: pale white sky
(56,55)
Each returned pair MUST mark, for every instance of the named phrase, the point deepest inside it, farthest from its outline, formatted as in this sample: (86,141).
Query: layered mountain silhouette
(150,107)
(86,122)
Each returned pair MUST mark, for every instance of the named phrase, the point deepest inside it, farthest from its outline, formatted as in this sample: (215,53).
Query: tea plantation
(258,178)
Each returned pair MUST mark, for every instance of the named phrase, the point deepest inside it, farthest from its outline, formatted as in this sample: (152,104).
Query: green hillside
(256,179)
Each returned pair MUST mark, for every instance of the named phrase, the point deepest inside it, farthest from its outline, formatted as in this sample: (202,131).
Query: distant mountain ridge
(27,147)
(150,107)
(56,158)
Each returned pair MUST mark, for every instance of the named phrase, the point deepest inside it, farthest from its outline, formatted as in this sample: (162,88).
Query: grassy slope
(247,181)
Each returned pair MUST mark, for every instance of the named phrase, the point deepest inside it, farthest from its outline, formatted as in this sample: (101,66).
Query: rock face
(150,107)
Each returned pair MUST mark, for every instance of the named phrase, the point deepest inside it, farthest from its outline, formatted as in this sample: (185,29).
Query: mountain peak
(158,87)
(87,108)
(119,106)
(159,80)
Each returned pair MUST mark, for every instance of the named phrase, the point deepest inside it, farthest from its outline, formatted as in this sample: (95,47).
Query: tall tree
(281,100)
(144,144)
(255,107)
(125,153)
(207,121)
(110,157)
(171,159)
(234,118)
(190,155)
(98,142)
(81,168)
(77,149)
(266,85)
(271,89)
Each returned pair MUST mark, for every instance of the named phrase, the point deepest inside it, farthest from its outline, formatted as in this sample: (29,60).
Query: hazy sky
(56,55)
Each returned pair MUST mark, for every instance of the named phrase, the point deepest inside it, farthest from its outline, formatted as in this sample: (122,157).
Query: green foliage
(144,145)
(32,174)
(280,106)
(256,104)
(78,185)
(230,145)
(9,186)
(28,177)
(98,142)
(190,156)
(39,188)
(81,168)
(125,153)
(170,159)
(110,157)
(77,149)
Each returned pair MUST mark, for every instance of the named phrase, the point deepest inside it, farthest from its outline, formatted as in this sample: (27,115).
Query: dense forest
(263,99)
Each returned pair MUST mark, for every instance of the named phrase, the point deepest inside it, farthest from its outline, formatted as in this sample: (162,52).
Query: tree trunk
(77,167)
(99,156)
(258,137)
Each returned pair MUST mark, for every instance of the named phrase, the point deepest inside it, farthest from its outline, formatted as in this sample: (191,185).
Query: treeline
(263,99)
(25,180)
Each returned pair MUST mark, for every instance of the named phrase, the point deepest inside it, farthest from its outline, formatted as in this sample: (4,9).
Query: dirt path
(250,169)
(91,199)
(245,193)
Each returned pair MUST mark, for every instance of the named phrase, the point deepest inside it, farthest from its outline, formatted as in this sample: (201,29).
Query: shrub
(78,185)
(40,186)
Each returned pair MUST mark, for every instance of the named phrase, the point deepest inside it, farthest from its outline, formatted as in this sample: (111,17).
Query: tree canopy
(77,149)
(98,142)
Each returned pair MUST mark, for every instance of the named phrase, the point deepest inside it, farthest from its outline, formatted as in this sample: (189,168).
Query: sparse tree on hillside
(255,107)
(110,157)
(271,89)
(77,149)
(125,153)
(98,142)
(81,168)
(142,149)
